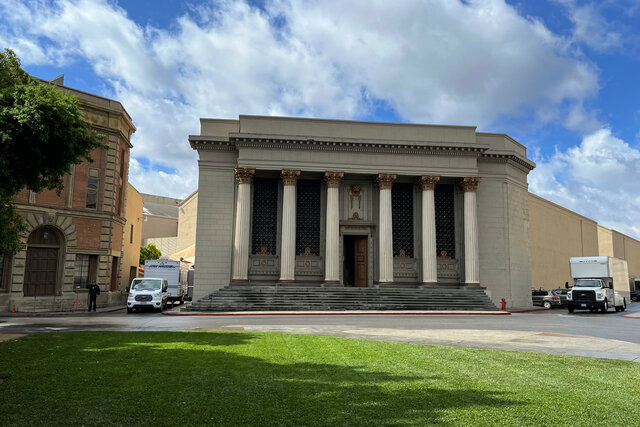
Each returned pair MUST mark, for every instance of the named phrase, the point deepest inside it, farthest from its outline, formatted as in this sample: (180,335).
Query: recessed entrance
(41,267)
(355,261)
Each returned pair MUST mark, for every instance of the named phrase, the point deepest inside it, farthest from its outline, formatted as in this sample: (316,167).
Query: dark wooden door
(41,271)
(361,261)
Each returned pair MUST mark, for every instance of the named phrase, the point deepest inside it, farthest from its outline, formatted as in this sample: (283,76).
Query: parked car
(545,298)
(635,295)
(562,294)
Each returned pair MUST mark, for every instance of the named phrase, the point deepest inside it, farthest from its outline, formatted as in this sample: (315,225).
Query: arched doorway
(41,269)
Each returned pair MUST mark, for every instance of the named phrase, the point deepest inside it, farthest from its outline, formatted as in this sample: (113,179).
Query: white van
(148,292)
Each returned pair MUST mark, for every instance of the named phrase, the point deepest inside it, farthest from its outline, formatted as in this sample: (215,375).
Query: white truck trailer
(173,272)
(600,282)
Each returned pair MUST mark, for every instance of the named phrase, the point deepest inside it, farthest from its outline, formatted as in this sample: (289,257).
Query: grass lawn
(198,378)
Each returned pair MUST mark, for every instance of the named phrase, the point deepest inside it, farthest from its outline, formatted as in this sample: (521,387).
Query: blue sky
(560,76)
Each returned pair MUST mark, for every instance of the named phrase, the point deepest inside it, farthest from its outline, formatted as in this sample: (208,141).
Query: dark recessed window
(402,219)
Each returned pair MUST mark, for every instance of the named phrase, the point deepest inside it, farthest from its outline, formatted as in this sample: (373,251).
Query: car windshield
(146,285)
(587,283)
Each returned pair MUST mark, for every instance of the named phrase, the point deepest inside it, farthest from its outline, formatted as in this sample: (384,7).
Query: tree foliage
(41,135)
(149,252)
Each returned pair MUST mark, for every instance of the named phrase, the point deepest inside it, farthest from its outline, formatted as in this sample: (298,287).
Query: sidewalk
(82,312)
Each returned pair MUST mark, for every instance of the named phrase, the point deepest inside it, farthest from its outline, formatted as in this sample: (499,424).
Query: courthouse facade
(345,203)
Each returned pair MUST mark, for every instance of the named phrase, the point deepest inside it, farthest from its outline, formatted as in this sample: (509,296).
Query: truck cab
(148,292)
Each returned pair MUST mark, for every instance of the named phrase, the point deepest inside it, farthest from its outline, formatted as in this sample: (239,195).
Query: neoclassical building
(346,203)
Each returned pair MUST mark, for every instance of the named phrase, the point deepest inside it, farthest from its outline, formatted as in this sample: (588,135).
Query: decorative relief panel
(355,202)
(445,221)
(402,218)
(308,217)
(265,216)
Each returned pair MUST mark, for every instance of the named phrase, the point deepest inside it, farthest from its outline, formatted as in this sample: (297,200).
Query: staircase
(244,297)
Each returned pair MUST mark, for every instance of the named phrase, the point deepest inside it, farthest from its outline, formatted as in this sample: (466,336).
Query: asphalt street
(608,335)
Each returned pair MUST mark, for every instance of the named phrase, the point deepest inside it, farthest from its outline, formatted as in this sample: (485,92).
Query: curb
(526,310)
(633,315)
(342,313)
(63,313)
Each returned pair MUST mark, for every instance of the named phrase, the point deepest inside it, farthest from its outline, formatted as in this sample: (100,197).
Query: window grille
(265,216)
(402,219)
(308,217)
(445,221)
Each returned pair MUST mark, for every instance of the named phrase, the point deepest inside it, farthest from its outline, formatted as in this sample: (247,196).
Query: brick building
(76,236)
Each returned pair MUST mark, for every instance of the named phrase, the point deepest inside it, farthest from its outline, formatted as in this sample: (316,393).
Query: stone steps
(240,297)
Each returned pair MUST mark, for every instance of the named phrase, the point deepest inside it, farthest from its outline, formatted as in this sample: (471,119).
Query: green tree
(149,252)
(41,135)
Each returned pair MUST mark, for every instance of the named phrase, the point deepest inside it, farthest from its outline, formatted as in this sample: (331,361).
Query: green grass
(122,378)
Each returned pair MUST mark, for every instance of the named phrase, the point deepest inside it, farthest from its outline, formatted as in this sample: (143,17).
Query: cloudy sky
(560,76)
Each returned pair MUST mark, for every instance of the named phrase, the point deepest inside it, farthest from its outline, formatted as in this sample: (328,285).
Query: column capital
(428,182)
(289,176)
(385,180)
(333,178)
(470,183)
(244,175)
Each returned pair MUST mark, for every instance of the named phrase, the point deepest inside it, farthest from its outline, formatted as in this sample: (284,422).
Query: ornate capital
(470,183)
(428,182)
(244,175)
(290,176)
(333,178)
(385,180)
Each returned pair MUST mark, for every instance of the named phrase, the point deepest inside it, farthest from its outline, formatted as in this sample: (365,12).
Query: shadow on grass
(210,378)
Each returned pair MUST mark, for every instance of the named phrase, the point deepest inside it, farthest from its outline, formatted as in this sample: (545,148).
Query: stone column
(385,236)
(471,260)
(242,225)
(288,247)
(332,246)
(429,261)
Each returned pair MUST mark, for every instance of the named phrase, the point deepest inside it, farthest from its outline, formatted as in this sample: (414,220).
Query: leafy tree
(41,135)
(149,252)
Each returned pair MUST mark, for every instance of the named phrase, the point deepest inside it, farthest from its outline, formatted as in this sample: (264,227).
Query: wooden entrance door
(360,278)
(41,271)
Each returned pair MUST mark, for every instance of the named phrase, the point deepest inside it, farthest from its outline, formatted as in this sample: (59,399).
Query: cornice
(328,144)
(527,164)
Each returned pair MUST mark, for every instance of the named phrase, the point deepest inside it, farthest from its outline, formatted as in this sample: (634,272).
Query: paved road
(609,335)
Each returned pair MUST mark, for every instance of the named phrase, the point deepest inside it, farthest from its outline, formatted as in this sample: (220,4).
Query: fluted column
(288,247)
(429,262)
(242,225)
(471,259)
(385,237)
(332,246)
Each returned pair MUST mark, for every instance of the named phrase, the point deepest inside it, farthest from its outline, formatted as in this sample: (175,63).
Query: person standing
(94,291)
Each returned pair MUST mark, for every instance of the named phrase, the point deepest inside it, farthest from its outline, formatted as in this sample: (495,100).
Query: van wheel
(604,307)
(546,304)
(624,305)
(570,309)
(129,310)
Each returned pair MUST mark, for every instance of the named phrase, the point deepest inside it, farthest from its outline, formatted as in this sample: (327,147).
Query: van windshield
(146,285)
(588,283)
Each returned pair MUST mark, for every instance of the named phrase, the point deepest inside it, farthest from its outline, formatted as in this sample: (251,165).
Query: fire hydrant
(504,304)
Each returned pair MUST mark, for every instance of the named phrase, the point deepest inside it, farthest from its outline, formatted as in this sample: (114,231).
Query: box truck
(173,272)
(600,282)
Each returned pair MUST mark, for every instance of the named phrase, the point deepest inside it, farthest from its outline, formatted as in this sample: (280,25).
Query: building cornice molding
(525,164)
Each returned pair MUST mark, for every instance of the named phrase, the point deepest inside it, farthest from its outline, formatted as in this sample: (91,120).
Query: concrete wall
(159,226)
(166,245)
(187,219)
(557,234)
(131,241)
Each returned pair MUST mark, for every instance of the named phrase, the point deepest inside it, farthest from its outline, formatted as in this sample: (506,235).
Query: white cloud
(590,26)
(598,179)
(441,61)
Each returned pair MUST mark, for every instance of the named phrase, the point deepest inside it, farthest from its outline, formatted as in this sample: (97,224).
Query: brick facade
(88,236)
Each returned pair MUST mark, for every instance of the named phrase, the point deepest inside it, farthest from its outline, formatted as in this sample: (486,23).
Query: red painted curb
(526,310)
(633,315)
(311,313)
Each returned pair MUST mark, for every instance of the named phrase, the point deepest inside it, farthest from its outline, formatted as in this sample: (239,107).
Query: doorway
(41,266)
(355,261)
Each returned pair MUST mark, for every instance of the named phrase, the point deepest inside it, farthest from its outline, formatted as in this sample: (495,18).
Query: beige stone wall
(557,234)
(627,248)
(605,241)
(131,241)
(167,245)
(187,219)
